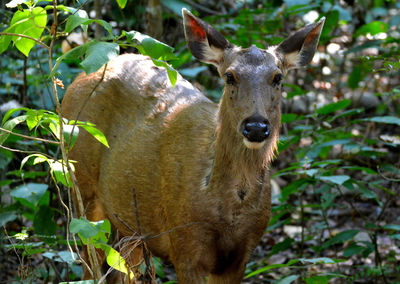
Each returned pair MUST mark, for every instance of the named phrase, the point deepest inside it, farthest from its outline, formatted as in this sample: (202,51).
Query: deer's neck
(235,166)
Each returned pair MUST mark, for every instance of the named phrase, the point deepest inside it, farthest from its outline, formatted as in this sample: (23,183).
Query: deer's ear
(204,42)
(299,48)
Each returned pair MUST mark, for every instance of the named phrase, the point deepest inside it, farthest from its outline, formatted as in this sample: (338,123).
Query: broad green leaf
(288,117)
(122,3)
(29,23)
(150,46)
(392,227)
(9,125)
(384,119)
(340,238)
(31,192)
(339,179)
(355,77)
(83,227)
(44,224)
(159,267)
(115,260)
(96,133)
(71,133)
(76,20)
(331,22)
(60,171)
(94,232)
(11,112)
(352,250)
(372,28)
(333,107)
(98,54)
(73,54)
(317,279)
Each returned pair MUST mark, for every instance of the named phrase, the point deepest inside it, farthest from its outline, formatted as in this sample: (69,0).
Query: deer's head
(253,76)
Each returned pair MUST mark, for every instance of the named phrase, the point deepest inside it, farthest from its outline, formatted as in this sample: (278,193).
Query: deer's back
(141,115)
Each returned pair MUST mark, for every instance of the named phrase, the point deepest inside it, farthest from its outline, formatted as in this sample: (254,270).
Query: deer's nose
(256,129)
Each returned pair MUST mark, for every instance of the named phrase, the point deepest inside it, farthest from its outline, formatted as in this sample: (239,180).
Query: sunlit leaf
(332,107)
(338,179)
(115,260)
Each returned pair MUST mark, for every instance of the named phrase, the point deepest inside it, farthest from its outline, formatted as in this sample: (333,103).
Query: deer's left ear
(299,48)
(204,42)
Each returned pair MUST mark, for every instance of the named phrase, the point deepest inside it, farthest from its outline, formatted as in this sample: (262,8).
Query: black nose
(256,129)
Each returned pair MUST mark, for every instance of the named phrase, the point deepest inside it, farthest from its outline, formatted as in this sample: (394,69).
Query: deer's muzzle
(255,130)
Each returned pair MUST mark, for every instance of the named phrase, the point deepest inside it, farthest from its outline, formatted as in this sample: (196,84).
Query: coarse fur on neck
(235,164)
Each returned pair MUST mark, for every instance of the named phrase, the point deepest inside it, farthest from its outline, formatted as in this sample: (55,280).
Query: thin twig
(30,137)
(76,11)
(28,37)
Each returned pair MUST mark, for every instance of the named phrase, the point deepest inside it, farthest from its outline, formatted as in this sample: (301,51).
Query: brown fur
(183,154)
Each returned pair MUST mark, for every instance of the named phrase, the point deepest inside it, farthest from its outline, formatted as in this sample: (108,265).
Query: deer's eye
(277,80)
(230,79)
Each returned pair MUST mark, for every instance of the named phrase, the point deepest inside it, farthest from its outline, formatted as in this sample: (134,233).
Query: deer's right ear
(204,42)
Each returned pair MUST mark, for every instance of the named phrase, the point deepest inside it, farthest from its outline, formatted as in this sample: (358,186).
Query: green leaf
(27,22)
(158,266)
(340,238)
(150,46)
(333,107)
(384,119)
(91,128)
(115,260)
(70,133)
(98,54)
(355,77)
(94,232)
(392,227)
(60,172)
(331,22)
(122,3)
(31,192)
(288,117)
(44,224)
(9,125)
(339,179)
(77,20)
(352,250)
(372,28)
(317,279)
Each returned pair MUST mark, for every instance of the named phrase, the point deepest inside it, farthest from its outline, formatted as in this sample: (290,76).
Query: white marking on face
(253,145)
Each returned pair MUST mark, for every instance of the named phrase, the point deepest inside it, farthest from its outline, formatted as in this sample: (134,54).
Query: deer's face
(252,93)
(253,76)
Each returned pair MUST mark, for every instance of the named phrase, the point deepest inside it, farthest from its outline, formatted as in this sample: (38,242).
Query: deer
(200,170)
